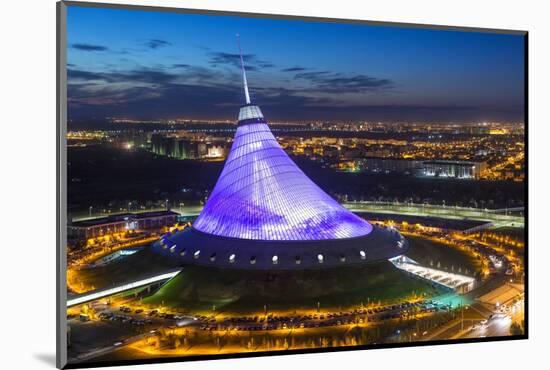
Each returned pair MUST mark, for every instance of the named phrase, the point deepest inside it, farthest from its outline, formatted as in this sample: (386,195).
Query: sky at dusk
(146,65)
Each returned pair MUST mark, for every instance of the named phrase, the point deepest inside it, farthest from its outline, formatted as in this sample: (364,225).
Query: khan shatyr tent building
(265,213)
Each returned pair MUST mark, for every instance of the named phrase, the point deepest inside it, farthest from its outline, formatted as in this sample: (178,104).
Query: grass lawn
(199,288)
(426,252)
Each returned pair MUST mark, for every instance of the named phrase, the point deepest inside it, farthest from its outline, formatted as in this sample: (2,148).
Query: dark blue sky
(138,64)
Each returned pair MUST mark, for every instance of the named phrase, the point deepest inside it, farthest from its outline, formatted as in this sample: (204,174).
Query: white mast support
(246,94)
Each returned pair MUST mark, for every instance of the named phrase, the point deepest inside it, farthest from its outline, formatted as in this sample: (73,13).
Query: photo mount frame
(61,185)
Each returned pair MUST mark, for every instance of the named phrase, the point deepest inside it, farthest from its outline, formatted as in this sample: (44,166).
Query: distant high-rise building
(453,169)
(186,148)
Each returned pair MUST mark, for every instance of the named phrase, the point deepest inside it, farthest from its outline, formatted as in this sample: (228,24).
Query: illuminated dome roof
(262,194)
(265,213)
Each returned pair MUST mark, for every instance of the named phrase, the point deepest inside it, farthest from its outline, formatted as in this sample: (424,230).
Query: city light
(366,213)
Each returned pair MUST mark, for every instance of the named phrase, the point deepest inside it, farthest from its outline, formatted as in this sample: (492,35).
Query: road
(100,351)
(472,323)
(112,333)
(499,218)
(469,317)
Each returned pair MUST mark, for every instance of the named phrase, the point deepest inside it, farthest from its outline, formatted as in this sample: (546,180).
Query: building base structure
(193,247)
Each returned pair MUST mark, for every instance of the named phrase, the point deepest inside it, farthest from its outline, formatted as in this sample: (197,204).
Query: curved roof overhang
(193,247)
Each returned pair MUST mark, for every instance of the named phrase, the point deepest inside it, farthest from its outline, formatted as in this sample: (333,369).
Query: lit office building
(453,169)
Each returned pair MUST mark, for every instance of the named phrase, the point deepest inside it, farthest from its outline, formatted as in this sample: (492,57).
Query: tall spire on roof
(245,84)
(261,194)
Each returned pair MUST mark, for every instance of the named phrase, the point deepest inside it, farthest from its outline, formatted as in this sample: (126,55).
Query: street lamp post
(462,320)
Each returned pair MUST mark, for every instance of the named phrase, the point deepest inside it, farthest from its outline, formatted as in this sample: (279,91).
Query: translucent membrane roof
(261,194)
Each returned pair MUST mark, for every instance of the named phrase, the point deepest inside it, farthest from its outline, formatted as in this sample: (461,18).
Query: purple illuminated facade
(265,213)
(263,195)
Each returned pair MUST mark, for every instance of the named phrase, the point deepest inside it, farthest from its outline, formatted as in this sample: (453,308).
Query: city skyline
(200,221)
(188,67)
